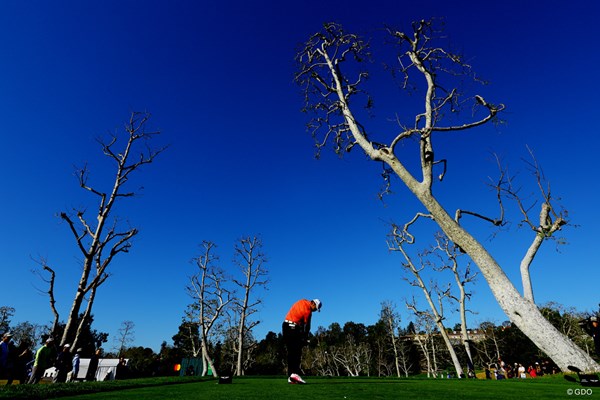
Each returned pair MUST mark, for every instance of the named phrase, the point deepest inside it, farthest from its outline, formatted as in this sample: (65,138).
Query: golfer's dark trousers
(294,338)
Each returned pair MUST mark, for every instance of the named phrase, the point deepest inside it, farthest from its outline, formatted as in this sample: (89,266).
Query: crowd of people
(21,364)
(502,370)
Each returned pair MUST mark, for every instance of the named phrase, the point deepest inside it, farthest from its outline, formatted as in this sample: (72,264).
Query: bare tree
(250,259)
(488,350)
(391,318)
(125,337)
(404,358)
(331,74)
(423,335)
(436,313)
(319,359)
(50,290)
(207,288)
(98,239)
(353,357)
(449,261)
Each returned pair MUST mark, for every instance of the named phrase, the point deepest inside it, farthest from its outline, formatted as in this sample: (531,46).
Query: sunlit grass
(274,388)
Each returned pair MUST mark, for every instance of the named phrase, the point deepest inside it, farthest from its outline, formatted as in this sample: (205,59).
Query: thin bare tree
(488,350)
(211,299)
(397,242)
(98,239)
(423,335)
(353,357)
(391,318)
(332,73)
(448,256)
(50,290)
(250,258)
(124,337)
(404,357)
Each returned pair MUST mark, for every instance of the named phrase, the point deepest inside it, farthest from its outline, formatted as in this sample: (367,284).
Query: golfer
(295,329)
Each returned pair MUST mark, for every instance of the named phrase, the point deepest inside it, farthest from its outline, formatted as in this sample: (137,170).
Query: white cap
(318,304)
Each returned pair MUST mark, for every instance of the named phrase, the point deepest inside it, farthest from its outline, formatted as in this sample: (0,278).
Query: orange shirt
(300,312)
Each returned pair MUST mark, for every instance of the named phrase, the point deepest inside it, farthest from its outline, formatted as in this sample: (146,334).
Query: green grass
(269,388)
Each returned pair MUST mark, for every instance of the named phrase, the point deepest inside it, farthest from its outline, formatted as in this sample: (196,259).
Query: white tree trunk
(522,312)
(453,356)
(207,360)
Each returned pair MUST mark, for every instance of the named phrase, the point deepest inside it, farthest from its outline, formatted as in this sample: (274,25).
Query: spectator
(93,366)
(546,369)
(592,327)
(531,371)
(190,371)
(43,360)
(122,370)
(23,357)
(7,358)
(488,373)
(63,364)
(521,372)
(509,373)
(538,369)
(75,366)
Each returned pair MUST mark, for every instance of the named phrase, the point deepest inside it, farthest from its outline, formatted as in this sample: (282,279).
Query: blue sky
(218,80)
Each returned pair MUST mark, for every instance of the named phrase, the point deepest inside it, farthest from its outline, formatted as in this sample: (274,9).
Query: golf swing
(295,329)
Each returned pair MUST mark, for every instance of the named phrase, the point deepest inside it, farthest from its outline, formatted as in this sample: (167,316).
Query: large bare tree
(102,237)
(250,258)
(211,299)
(332,73)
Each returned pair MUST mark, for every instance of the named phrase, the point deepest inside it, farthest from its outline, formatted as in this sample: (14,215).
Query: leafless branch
(98,242)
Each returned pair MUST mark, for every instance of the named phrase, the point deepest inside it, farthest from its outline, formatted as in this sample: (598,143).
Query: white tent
(107,369)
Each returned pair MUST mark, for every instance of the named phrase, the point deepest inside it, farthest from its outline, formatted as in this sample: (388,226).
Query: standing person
(93,366)
(122,369)
(75,364)
(295,329)
(521,371)
(43,360)
(24,357)
(63,364)
(532,372)
(7,355)
(591,326)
